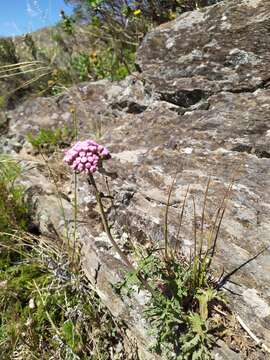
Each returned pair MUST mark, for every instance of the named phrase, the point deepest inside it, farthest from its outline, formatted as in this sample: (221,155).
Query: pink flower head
(86,156)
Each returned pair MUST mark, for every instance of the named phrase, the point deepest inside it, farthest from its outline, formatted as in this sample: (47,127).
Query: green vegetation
(47,309)
(7,51)
(48,140)
(13,211)
(182,308)
(104,64)
(3,102)
(67,23)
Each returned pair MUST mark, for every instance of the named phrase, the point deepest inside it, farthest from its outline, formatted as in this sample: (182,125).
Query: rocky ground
(199,107)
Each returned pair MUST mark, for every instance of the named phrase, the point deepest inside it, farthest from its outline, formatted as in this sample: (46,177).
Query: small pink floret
(80,167)
(105,152)
(92,148)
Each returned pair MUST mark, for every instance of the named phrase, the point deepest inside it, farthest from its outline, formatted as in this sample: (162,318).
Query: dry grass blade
(23,72)
(166,238)
(195,226)
(47,313)
(20,64)
(22,239)
(16,68)
(181,216)
(217,224)
(252,335)
(203,213)
(29,82)
(59,197)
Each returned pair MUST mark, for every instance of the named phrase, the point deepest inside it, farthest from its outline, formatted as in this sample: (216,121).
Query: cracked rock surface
(221,48)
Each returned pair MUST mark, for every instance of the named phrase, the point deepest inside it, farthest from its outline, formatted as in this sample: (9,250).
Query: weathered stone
(148,148)
(220,48)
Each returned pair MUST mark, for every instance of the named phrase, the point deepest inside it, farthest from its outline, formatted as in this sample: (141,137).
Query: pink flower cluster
(86,156)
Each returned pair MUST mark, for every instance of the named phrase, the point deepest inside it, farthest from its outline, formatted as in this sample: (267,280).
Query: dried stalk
(252,335)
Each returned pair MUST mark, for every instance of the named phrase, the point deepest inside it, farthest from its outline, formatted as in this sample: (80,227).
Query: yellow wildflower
(137,12)
(93,57)
(172,15)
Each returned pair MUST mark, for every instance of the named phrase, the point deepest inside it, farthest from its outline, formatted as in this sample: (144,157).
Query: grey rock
(220,48)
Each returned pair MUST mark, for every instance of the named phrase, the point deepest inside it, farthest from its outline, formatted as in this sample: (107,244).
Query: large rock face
(200,108)
(221,48)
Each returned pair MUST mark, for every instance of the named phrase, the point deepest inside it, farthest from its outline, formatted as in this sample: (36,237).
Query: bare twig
(252,335)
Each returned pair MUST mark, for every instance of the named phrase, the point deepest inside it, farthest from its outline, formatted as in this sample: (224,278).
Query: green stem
(123,257)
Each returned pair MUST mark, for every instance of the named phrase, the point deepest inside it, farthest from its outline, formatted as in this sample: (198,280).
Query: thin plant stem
(222,211)
(181,217)
(75,214)
(46,312)
(216,237)
(20,64)
(123,257)
(166,237)
(23,72)
(19,67)
(59,198)
(195,227)
(202,260)
(203,215)
(75,207)
(27,83)
(75,124)
(105,223)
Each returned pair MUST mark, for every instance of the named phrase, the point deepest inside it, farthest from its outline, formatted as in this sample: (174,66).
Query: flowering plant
(86,156)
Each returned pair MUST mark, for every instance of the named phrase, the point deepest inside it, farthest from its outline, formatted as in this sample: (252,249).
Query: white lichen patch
(240,57)
(187,150)
(259,305)
(190,19)
(253,3)
(131,156)
(170,43)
